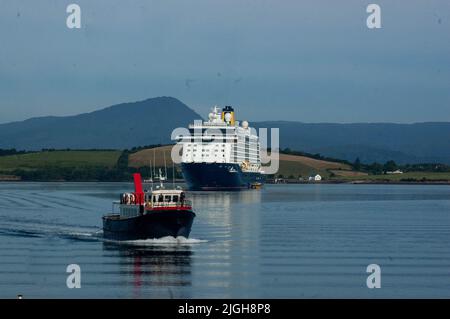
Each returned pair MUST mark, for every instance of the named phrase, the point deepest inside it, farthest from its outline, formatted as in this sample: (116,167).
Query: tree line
(13,151)
(122,172)
(390,166)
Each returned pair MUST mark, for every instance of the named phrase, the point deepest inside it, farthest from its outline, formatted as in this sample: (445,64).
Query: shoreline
(368,182)
(328,182)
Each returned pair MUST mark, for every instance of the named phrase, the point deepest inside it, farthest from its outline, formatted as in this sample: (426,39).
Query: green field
(59,159)
(298,169)
(301,166)
(296,166)
(290,165)
(91,165)
(405,177)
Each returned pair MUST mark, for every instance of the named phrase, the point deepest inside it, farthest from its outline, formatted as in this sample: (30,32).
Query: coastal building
(394,172)
(315,178)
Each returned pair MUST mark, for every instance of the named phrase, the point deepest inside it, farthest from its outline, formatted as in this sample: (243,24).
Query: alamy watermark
(74,279)
(73,21)
(374,279)
(374,19)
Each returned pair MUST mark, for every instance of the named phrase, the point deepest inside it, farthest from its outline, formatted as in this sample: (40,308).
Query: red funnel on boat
(138,190)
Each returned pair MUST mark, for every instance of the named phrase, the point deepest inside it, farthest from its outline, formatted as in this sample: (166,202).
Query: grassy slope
(59,159)
(296,166)
(304,166)
(142,158)
(289,164)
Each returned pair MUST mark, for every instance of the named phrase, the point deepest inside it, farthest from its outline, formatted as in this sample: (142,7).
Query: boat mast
(151,173)
(154,162)
(173,175)
(165,166)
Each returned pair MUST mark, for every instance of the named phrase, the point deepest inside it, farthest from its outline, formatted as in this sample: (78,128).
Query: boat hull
(218,177)
(155,224)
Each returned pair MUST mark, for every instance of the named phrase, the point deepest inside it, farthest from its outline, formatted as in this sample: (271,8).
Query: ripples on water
(283,241)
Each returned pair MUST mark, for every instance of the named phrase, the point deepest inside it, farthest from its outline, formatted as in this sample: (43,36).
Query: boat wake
(169,240)
(81,235)
(93,235)
(48,231)
(35,229)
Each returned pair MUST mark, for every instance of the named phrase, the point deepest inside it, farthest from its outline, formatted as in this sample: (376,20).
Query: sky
(308,61)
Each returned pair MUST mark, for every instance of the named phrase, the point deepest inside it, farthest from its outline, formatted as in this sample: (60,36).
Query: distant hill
(116,127)
(371,142)
(151,122)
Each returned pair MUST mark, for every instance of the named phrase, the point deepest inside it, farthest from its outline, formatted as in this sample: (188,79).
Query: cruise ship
(221,153)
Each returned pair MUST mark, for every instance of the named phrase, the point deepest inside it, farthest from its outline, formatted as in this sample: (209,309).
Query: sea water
(283,241)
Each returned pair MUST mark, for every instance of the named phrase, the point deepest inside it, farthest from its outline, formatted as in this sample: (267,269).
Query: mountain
(116,127)
(380,142)
(151,122)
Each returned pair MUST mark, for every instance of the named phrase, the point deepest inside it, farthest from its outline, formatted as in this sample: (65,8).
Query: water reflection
(231,220)
(217,208)
(151,271)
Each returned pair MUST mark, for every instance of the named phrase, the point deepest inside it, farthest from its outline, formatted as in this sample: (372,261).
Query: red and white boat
(149,214)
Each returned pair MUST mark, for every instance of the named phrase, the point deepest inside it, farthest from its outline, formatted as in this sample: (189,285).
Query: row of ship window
(188,150)
(195,145)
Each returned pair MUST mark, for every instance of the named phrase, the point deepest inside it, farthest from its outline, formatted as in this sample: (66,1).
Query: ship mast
(154,163)
(165,165)
(173,175)
(151,173)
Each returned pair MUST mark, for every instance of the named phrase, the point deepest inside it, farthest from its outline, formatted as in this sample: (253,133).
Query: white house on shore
(394,172)
(315,178)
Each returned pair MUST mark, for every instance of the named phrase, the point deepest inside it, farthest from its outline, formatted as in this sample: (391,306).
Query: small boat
(256,185)
(149,214)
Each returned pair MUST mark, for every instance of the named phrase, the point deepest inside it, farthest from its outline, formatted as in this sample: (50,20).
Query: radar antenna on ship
(161,179)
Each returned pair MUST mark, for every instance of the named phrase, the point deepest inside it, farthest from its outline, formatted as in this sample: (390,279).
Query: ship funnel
(138,190)
(228,115)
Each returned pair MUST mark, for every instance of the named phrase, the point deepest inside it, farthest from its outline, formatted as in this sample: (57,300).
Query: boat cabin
(145,202)
(166,198)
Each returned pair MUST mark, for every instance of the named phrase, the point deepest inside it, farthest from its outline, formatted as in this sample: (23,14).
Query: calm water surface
(292,241)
